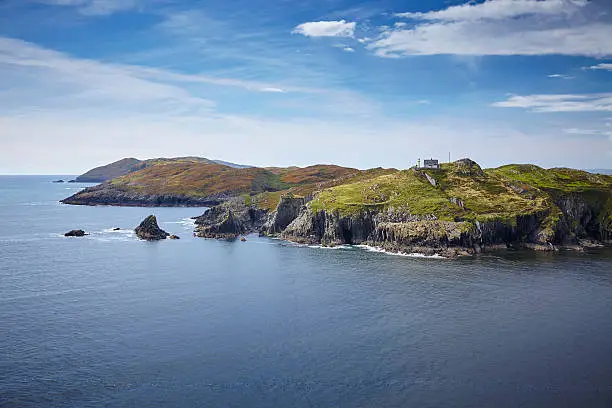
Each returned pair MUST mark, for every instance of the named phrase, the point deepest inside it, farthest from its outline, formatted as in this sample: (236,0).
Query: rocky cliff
(229,220)
(461,209)
(288,209)
(429,235)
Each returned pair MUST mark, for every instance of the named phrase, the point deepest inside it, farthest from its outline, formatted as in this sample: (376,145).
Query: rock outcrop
(288,209)
(149,230)
(75,233)
(229,220)
(397,231)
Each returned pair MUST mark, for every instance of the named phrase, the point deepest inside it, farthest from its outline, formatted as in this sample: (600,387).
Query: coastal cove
(108,319)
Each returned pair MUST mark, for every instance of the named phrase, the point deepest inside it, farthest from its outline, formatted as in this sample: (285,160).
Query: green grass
(494,194)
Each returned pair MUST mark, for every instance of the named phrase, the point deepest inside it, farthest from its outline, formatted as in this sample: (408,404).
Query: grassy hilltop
(501,192)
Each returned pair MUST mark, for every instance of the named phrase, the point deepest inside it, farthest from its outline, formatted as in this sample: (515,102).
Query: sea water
(108,320)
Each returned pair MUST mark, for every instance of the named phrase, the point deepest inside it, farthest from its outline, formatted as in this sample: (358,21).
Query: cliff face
(461,209)
(401,232)
(229,220)
(288,209)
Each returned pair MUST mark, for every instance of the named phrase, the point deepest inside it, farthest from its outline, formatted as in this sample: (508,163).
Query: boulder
(174,237)
(75,233)
(116,229)
(149,230)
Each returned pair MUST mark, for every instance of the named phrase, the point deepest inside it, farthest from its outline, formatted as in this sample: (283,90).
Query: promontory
(453,209)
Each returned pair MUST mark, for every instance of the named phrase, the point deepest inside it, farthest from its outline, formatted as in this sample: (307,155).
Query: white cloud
(83,80)
(51,101)
(561,76)
(95,7)
(587,132)
(340,28)
(606,67)
(344,47)
(273,90)
(503,27)
(22,54)
(595,102)
(499,10)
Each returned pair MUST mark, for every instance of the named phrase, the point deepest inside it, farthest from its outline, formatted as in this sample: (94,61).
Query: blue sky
(357,83)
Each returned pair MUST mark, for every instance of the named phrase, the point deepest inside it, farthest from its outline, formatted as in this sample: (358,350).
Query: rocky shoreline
(456,210)
(399,232)
(107,194)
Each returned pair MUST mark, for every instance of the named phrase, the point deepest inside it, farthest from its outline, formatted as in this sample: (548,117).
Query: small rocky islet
(455,209)
(149,230)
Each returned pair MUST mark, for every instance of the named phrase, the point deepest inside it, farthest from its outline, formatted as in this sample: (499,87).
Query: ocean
(108,320)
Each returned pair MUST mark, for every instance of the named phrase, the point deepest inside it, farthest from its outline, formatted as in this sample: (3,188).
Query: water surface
(108,320)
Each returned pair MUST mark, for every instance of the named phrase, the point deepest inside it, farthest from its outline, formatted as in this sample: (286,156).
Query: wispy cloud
(503,27)
(603,66)
(339,28)
(499,10)
(596,102)
(561,76)
(88,80)
(587,132)
(95,7)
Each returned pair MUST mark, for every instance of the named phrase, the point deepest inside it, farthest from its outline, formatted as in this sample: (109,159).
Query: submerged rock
(149,230)
(75,233)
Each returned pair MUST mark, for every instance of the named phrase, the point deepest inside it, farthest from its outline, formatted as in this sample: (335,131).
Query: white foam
(349,247)
(187,223)
(411,255)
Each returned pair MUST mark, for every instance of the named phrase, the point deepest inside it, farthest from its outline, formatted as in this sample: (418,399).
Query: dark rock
(116,229)
(72,181)
(229,220)
(287,210)
(174,237)
(149,230)
(58,181)
(243,239)
(75,233)
(229,228)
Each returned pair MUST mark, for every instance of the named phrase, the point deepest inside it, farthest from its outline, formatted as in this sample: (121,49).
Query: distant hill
(189,181)
(600,171)
(130,165)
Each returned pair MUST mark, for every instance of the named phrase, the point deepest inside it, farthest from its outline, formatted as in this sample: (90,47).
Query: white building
(431,164)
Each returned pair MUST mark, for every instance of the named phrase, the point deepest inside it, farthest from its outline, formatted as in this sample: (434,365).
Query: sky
(300,82)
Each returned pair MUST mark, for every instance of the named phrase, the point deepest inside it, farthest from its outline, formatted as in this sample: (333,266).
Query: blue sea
(108,320)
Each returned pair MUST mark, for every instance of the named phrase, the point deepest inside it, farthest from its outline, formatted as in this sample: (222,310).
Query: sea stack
(149,230)
(75,233)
